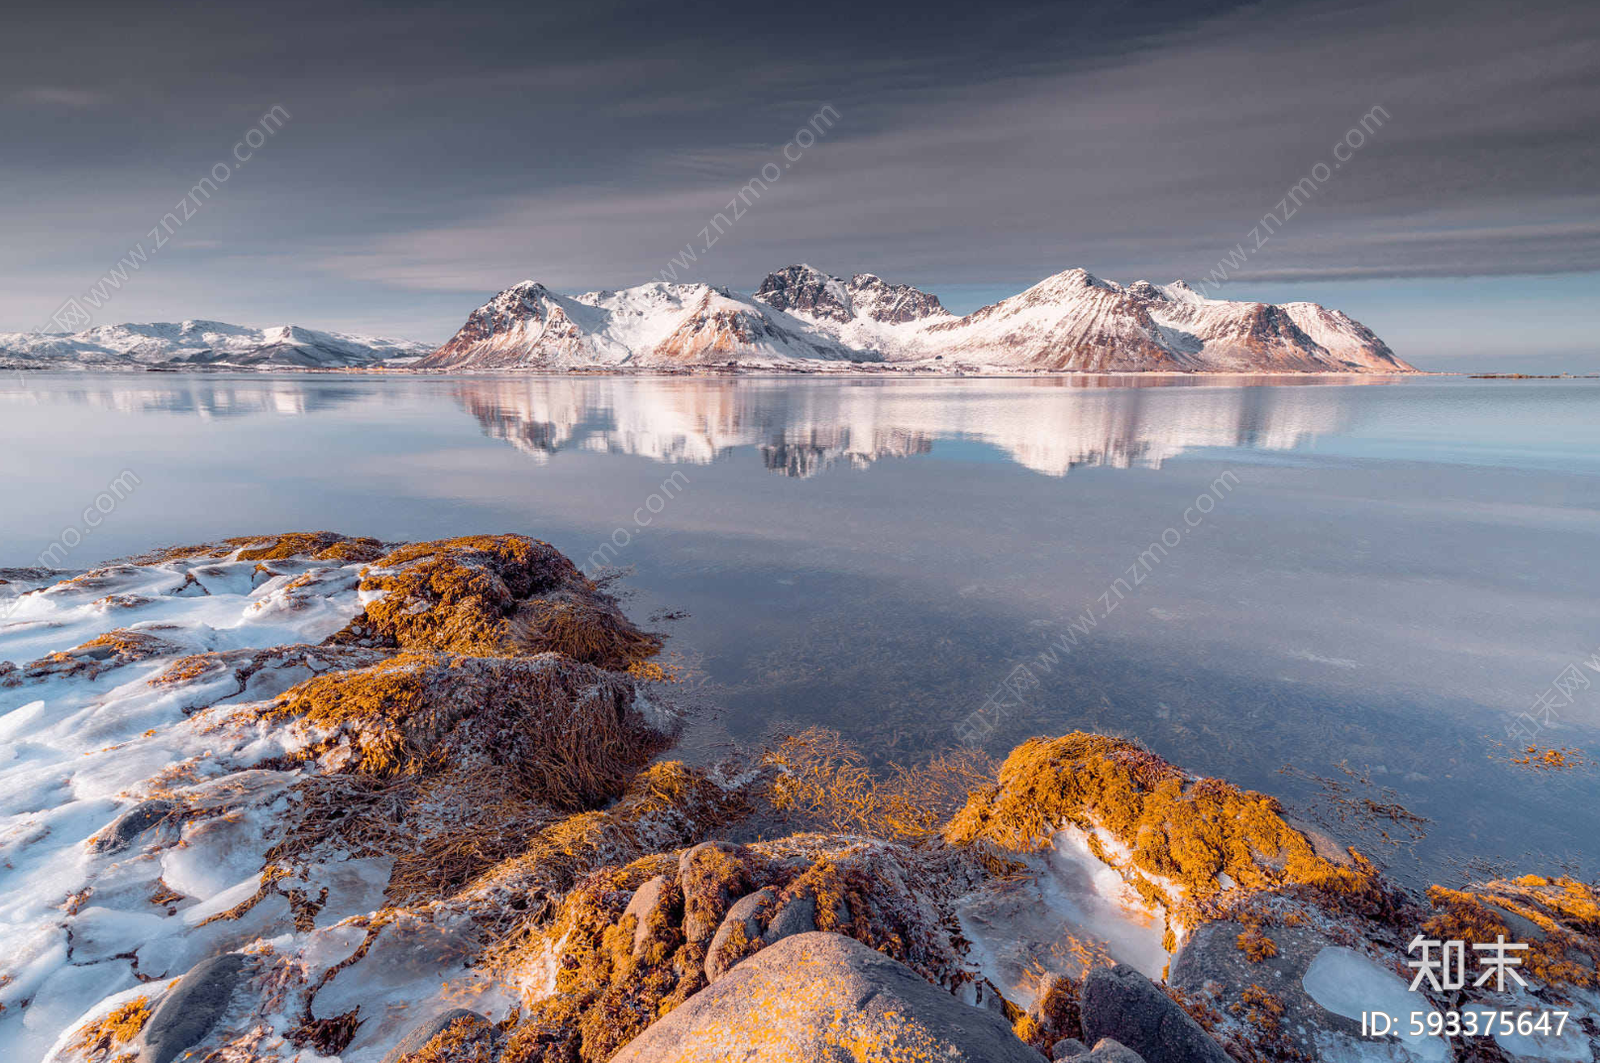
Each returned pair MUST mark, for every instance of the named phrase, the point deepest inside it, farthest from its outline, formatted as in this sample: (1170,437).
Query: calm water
(1380,578)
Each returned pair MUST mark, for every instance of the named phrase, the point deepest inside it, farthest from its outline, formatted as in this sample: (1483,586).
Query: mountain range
(800,318)
(191,344)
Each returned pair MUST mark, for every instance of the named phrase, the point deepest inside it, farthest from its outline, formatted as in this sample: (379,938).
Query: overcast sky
(435,154)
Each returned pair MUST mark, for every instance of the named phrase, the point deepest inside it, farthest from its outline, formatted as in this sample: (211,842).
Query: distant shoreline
(859,369)
(867,369)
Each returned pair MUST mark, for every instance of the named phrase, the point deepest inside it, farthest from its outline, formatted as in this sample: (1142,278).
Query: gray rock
(121,832)
(828,998)
(645,900)
(745,914)
(1106,1050)
(1211,964)
(1119,1002)
(799,916)
(1110,1050)
(1068,1048)
(421,1034)
(190,1010)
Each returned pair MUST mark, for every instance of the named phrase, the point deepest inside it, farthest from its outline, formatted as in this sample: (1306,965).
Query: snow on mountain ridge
(1072,321)
(653,324)
(199,343)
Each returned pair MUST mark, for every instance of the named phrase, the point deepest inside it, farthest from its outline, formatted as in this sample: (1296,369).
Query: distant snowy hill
(200,343)
(800,317)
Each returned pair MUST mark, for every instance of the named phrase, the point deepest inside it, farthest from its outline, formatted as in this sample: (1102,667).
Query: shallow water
(1361,581)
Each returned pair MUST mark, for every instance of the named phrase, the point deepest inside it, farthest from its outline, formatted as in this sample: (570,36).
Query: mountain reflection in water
(800,428)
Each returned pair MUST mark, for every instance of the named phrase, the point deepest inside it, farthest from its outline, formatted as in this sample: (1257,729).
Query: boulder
(1106,1050)
(1212,965)
(478,1029)
(827,998)
(1118,1002)
(191,1009)
(799,916)
(120,832)
(645,900)
(740,927)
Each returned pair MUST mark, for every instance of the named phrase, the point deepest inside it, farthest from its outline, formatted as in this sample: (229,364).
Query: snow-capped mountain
(656,324)
(800,317)
(200,343)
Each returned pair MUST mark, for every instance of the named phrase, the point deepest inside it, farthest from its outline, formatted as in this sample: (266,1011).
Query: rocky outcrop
(1183,843)
(1122,1004)
(1240,970)
(809,291)
(893,304)
(822,996)
(448,795)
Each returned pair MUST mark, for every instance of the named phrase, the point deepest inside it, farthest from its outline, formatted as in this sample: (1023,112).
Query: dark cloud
(439,152)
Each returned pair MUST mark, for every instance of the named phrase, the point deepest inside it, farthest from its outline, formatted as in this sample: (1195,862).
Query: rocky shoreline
(303,797)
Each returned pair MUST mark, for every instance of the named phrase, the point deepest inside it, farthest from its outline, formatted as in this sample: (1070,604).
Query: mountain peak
(807,290)
(1075,279)
(893,304)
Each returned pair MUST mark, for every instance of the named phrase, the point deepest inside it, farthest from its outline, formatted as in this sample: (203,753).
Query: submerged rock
(821,996)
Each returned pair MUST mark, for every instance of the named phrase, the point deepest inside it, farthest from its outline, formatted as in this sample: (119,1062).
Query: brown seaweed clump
(1559,919)
(565,731)
(489,596)
(317,546)
(822,782)
(665,807)
(1174,837)
(98,1039)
